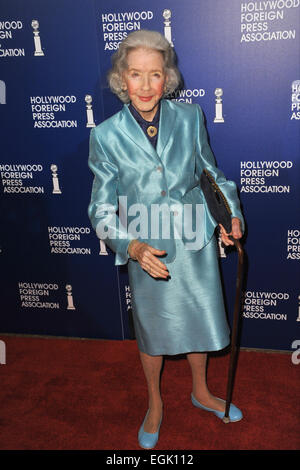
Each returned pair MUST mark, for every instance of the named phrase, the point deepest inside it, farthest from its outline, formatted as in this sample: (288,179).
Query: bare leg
(152,367)
(198,362)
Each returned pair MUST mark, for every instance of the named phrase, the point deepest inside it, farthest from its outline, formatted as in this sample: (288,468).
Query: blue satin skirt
(184,313)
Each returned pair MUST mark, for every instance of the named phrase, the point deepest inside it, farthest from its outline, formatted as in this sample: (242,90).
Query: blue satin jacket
(125,163)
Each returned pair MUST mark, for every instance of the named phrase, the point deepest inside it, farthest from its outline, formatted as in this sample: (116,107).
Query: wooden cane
(236,317)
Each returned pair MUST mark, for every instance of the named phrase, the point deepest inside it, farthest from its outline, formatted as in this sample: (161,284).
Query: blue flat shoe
(148,440)
(234,413)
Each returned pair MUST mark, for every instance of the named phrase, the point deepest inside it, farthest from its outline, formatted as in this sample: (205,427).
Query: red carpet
(88,394)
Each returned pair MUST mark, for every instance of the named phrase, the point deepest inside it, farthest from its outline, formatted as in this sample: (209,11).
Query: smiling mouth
(145,98)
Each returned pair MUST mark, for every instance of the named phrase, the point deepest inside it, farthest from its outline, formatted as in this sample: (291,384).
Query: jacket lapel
(166,126)
(132,129)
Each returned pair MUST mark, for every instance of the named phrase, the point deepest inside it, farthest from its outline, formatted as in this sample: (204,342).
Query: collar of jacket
(132,129)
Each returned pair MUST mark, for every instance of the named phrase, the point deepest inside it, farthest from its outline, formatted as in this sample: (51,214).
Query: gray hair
(148,40)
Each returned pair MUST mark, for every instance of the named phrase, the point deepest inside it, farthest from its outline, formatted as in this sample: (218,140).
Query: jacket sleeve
(205,159)
(103,206)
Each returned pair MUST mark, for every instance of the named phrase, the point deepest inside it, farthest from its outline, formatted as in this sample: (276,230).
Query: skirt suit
(184,313)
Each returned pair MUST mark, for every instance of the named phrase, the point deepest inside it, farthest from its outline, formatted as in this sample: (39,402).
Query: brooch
(151,131)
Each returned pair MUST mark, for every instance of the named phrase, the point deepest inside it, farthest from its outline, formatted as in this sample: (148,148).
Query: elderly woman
(146,157)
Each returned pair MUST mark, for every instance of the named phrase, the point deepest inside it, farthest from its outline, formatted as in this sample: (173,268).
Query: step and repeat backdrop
(239,61)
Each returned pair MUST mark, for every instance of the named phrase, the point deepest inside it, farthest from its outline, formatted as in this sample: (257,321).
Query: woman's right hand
(146,255)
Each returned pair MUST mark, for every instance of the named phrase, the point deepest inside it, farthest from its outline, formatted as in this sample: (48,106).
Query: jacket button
(163,193)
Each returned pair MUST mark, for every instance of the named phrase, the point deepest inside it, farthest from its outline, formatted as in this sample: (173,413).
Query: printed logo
(186,95)
(296,354)
(259,20)
(14,178)
(55,182)
(45,111)
(8,31)
(167,26)
(2,352)
(116,26)
(257,304)
(37,40)
(222,253)
(63,240)
(70,302)
(128,297)
(89,111)
(103,250)
(2,92)
(43,295)
(258,176)
(38,294)
(295,98)
(293,244)
(219,105)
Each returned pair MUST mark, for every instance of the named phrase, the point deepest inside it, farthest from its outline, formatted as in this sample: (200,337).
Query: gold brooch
(151,131)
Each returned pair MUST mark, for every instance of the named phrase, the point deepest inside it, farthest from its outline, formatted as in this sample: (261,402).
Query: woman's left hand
(236,231)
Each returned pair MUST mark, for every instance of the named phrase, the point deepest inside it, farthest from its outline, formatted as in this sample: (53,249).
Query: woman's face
(144,80)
